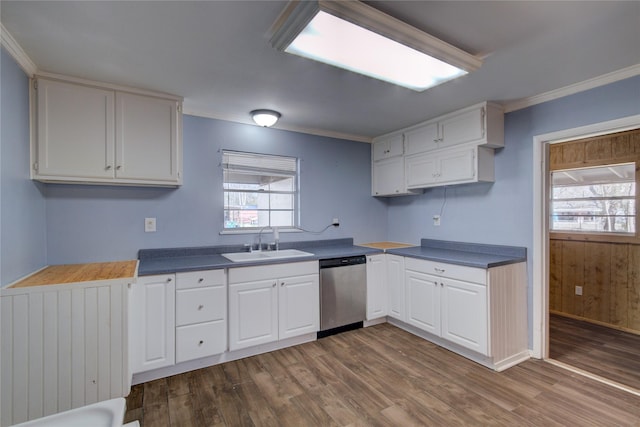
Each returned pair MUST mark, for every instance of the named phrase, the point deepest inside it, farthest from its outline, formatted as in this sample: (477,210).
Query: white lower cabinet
(452,309)
(272,302)
(467,308)
(395,286)
(201,314)
(152,313)
(376,286)
(463,313)
(422,301)
(177,318)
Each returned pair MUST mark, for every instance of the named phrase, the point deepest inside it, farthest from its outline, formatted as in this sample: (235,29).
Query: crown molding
(602,80)
(188,110)
(16,51)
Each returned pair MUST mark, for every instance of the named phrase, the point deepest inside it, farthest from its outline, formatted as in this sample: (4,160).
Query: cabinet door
(388,147)
(388,177)
(299,305)
(422,293)
(253,313)
(422,139)
(152,323)
(75,131)
(462,128)
(376,287)
(421,170)
(457,166)
(464,314)
(395,286)
(146,138)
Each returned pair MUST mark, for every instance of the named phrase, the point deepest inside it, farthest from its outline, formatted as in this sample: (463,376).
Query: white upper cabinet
(454,166)
(387,147)
(456,148)
(146,138)
(99,134)
(387,167)
(481,124)
(75,134)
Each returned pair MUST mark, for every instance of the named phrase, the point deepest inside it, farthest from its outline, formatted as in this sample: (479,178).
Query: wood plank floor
(377,376)
(603,351)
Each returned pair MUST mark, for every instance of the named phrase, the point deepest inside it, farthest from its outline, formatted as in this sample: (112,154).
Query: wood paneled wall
(606,266)
(609,274)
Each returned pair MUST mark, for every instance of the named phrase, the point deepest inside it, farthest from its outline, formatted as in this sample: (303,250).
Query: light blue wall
(502,212)
(22,205)
(93,223)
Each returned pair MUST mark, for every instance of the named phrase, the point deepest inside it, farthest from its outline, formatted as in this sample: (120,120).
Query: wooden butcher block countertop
(75,273)
(385,245)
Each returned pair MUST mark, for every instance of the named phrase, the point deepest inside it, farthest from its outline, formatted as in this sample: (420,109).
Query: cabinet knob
(200,342)
(200,307)
(169,279)
(200,280)
(441,284)
(274,285)
(108,167)
(118,167)
(282,284)
(438,270)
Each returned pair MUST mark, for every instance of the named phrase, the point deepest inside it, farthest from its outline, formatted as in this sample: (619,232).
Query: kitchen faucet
(276,237)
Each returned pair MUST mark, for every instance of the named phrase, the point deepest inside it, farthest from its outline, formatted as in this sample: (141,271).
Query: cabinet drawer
(459,272)
(200,305)
(200,279)
(274,271)
(201,340)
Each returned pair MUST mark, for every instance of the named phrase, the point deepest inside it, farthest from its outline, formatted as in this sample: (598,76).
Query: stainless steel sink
(265,255)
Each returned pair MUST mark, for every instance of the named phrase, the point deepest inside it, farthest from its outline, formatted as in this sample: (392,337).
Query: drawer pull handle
(201,342)
(200,280)
(282,284)
(438,270)
(200,307)
(169,279)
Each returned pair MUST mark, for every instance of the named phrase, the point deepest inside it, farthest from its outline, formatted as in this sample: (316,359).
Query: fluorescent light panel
(316,30)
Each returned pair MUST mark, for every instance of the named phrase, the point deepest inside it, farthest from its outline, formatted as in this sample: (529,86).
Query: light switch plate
(436,220)
(149,225)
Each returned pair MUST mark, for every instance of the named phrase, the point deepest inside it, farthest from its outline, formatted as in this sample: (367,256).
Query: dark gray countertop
(175,260)
(468,254)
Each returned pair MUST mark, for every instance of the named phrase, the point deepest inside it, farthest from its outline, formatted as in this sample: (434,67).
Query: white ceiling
(216,54)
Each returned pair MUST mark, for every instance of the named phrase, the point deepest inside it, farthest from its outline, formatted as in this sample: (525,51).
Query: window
(596,199)
(259,190)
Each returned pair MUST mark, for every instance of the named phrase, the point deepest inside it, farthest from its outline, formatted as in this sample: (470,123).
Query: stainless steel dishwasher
(343,294)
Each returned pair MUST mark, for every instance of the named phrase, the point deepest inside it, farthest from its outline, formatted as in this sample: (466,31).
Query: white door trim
(540,254)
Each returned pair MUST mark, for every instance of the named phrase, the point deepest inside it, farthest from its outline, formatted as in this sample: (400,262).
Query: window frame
(249,169)
(593,199)
(599,150)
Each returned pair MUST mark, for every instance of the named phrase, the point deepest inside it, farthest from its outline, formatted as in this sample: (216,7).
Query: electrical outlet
(578,290)
(436,220)
(149,225)
(335,222)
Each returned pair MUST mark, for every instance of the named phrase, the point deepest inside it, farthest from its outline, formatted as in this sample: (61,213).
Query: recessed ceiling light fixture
(360,38)
(265,118)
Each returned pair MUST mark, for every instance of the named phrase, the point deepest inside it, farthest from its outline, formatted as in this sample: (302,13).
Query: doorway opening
(564,323)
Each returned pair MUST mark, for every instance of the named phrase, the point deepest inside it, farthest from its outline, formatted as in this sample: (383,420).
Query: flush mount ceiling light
(265,118)
(359,38)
